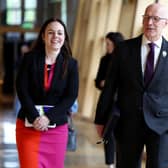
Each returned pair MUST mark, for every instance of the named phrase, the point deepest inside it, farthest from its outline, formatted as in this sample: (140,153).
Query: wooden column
(78,28)
(93,52)
(127,18)
(113,15)
(89,36)
(95,18)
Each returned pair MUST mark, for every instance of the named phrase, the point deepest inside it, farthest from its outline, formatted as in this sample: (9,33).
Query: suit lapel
(163,56)
(137,55)
(58,70)
(41,65)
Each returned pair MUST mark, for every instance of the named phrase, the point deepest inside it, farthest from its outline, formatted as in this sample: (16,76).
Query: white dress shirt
(145,50)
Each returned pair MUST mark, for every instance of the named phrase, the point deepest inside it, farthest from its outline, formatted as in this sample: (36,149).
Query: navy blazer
(31,92)
(135,101)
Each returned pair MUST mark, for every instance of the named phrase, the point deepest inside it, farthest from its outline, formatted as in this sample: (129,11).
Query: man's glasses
(155,19)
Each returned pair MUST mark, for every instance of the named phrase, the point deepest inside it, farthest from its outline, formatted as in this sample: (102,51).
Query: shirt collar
(158,42)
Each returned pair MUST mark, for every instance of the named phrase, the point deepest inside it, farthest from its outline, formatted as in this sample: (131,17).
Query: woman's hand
(100,129)
(41,123)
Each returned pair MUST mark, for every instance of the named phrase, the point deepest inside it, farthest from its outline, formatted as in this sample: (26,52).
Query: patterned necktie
(149,69)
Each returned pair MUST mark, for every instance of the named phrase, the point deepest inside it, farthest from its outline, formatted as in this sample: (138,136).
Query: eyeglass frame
(155,19)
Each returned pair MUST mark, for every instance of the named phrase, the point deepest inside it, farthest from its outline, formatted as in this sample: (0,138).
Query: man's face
(154,21)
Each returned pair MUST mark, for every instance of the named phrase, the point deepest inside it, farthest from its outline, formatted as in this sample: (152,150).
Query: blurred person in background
(112,39)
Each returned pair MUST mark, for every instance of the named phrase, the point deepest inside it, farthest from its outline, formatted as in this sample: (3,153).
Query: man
(139,74)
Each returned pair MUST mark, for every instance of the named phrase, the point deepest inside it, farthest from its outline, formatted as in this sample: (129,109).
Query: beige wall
(95,19)
(127,19)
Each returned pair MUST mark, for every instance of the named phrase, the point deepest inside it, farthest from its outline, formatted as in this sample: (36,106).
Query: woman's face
(54,36)
(109,45)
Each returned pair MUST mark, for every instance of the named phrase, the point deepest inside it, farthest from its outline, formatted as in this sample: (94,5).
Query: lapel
(137,62)
(40,66)
(58,70)
(163,56)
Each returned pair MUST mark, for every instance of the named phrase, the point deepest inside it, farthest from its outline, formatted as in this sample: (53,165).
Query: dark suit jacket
(102,70)
(30,88)
(134,99)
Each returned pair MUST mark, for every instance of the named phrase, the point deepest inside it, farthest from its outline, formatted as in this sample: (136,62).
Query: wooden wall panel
(94,52)
(78,27)
(127,18)
(113,15)
(95,18)
(83,41)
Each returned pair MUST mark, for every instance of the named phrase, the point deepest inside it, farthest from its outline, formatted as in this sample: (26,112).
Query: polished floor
(88,154)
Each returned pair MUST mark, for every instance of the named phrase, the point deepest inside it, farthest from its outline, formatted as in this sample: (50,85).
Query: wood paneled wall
(127,19)
(95,18)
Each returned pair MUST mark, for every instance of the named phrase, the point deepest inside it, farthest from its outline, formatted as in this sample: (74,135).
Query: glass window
(29,16)
(30,4)
(13,17)
(17,14)
(13,14)
(13,3)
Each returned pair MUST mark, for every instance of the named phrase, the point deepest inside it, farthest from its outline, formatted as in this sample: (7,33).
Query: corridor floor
(88,154)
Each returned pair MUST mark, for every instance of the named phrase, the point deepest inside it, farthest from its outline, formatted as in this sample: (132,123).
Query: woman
(112,39)
(47,77)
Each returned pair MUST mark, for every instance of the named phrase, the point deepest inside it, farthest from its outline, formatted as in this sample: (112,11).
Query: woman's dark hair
(39,44)
(115,37)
